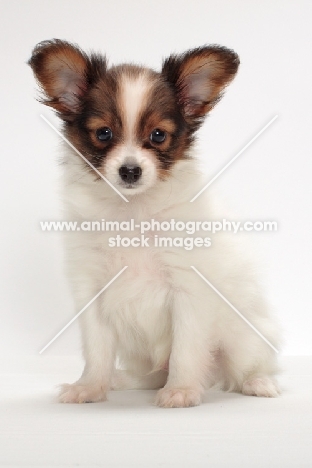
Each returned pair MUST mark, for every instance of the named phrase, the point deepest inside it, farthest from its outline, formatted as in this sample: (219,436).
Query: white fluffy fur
(159,313)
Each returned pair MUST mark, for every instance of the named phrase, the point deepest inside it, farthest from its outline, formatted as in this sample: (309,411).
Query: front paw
(77,393)
(178,397)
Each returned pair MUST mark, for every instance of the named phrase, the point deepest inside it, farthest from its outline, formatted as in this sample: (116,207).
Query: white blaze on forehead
(134,91)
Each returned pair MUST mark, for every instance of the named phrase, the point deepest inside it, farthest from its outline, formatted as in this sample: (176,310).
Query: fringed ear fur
(64,73)
(199,77)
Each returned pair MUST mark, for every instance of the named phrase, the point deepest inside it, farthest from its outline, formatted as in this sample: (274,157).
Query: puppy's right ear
(64,73)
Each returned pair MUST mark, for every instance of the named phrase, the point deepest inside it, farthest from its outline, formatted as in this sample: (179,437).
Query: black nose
(129,173)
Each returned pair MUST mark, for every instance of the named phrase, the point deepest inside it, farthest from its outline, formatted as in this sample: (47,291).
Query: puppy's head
(130,122)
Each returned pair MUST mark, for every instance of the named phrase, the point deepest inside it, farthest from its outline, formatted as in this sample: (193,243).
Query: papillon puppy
(160,321)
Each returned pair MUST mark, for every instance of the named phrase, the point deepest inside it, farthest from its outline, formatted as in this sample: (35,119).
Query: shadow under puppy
(169,330)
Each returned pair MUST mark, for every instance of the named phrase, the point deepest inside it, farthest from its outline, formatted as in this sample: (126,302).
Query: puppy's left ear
(199,77)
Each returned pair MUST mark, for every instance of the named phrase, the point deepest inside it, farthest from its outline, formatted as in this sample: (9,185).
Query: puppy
(168,329)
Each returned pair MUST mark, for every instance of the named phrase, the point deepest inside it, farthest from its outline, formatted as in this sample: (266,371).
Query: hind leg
(250,370)
(127,380)
(260,385)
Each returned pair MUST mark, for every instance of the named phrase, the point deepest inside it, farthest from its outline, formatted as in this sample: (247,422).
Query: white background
(271,180)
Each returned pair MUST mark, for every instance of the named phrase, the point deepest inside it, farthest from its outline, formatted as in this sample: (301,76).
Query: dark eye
(157,136)
(104,134)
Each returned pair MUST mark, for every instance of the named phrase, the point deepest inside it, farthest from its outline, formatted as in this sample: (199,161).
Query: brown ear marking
(64,73)
(199,77)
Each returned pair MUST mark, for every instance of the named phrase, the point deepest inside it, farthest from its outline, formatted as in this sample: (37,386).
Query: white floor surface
(227,430)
